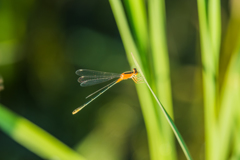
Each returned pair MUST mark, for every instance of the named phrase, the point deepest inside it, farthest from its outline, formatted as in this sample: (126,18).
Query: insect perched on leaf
(90,77)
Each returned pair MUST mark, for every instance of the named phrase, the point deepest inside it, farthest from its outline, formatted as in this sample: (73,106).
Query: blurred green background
(43,43)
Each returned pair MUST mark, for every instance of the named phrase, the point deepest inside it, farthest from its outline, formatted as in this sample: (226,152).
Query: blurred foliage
(42,43)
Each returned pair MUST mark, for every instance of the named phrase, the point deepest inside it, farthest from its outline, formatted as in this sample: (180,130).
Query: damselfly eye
(135,70)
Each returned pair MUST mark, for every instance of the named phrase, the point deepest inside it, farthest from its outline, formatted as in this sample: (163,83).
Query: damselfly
(90,77)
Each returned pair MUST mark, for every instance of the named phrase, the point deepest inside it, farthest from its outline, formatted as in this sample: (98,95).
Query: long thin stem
(170,121)
(151,117)
(209,82)
(161,69)
(34,138)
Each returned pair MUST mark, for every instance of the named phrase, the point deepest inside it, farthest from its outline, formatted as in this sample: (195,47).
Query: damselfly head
(135,70)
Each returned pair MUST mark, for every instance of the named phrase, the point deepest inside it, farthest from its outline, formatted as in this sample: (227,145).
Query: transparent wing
(91,82)
(87,72)
(90,77)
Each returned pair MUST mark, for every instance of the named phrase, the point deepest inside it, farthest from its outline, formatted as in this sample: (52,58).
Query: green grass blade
(209,83)
(230,88)
(34,138)
(159,51)
(231,40)
(214,11)
(137,12)
(161,80)
(123,27)
(170,121)
(229,106)
(151,117)
(236,127)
